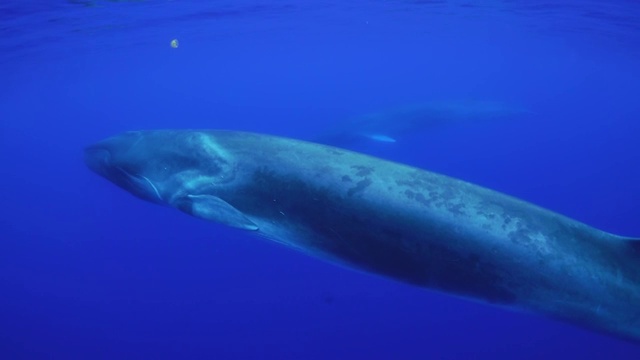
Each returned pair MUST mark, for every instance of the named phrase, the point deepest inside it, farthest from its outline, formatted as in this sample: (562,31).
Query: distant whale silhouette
(386,218)
(392,125)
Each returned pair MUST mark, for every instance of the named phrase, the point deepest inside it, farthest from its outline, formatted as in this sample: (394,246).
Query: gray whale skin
(386,218)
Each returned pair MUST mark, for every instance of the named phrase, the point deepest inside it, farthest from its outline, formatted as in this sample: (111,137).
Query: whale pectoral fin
(212,208)
(380,138)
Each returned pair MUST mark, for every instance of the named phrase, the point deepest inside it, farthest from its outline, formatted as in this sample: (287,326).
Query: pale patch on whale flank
(212,148)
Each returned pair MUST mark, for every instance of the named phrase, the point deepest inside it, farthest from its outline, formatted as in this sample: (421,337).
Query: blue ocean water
(87,271)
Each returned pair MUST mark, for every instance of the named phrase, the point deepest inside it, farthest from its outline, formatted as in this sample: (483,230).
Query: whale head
(159,165)
(188,170)
(123,160)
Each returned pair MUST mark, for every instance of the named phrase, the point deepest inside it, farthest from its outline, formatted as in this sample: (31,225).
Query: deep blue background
(88,271)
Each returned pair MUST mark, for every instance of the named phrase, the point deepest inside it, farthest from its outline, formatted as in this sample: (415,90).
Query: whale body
(394,124)
(386,218)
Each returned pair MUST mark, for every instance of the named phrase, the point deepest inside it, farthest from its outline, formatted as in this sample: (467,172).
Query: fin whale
(386,218)
(392,125)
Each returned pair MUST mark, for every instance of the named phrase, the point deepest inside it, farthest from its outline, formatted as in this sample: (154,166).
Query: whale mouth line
(139,180)
(155,189)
